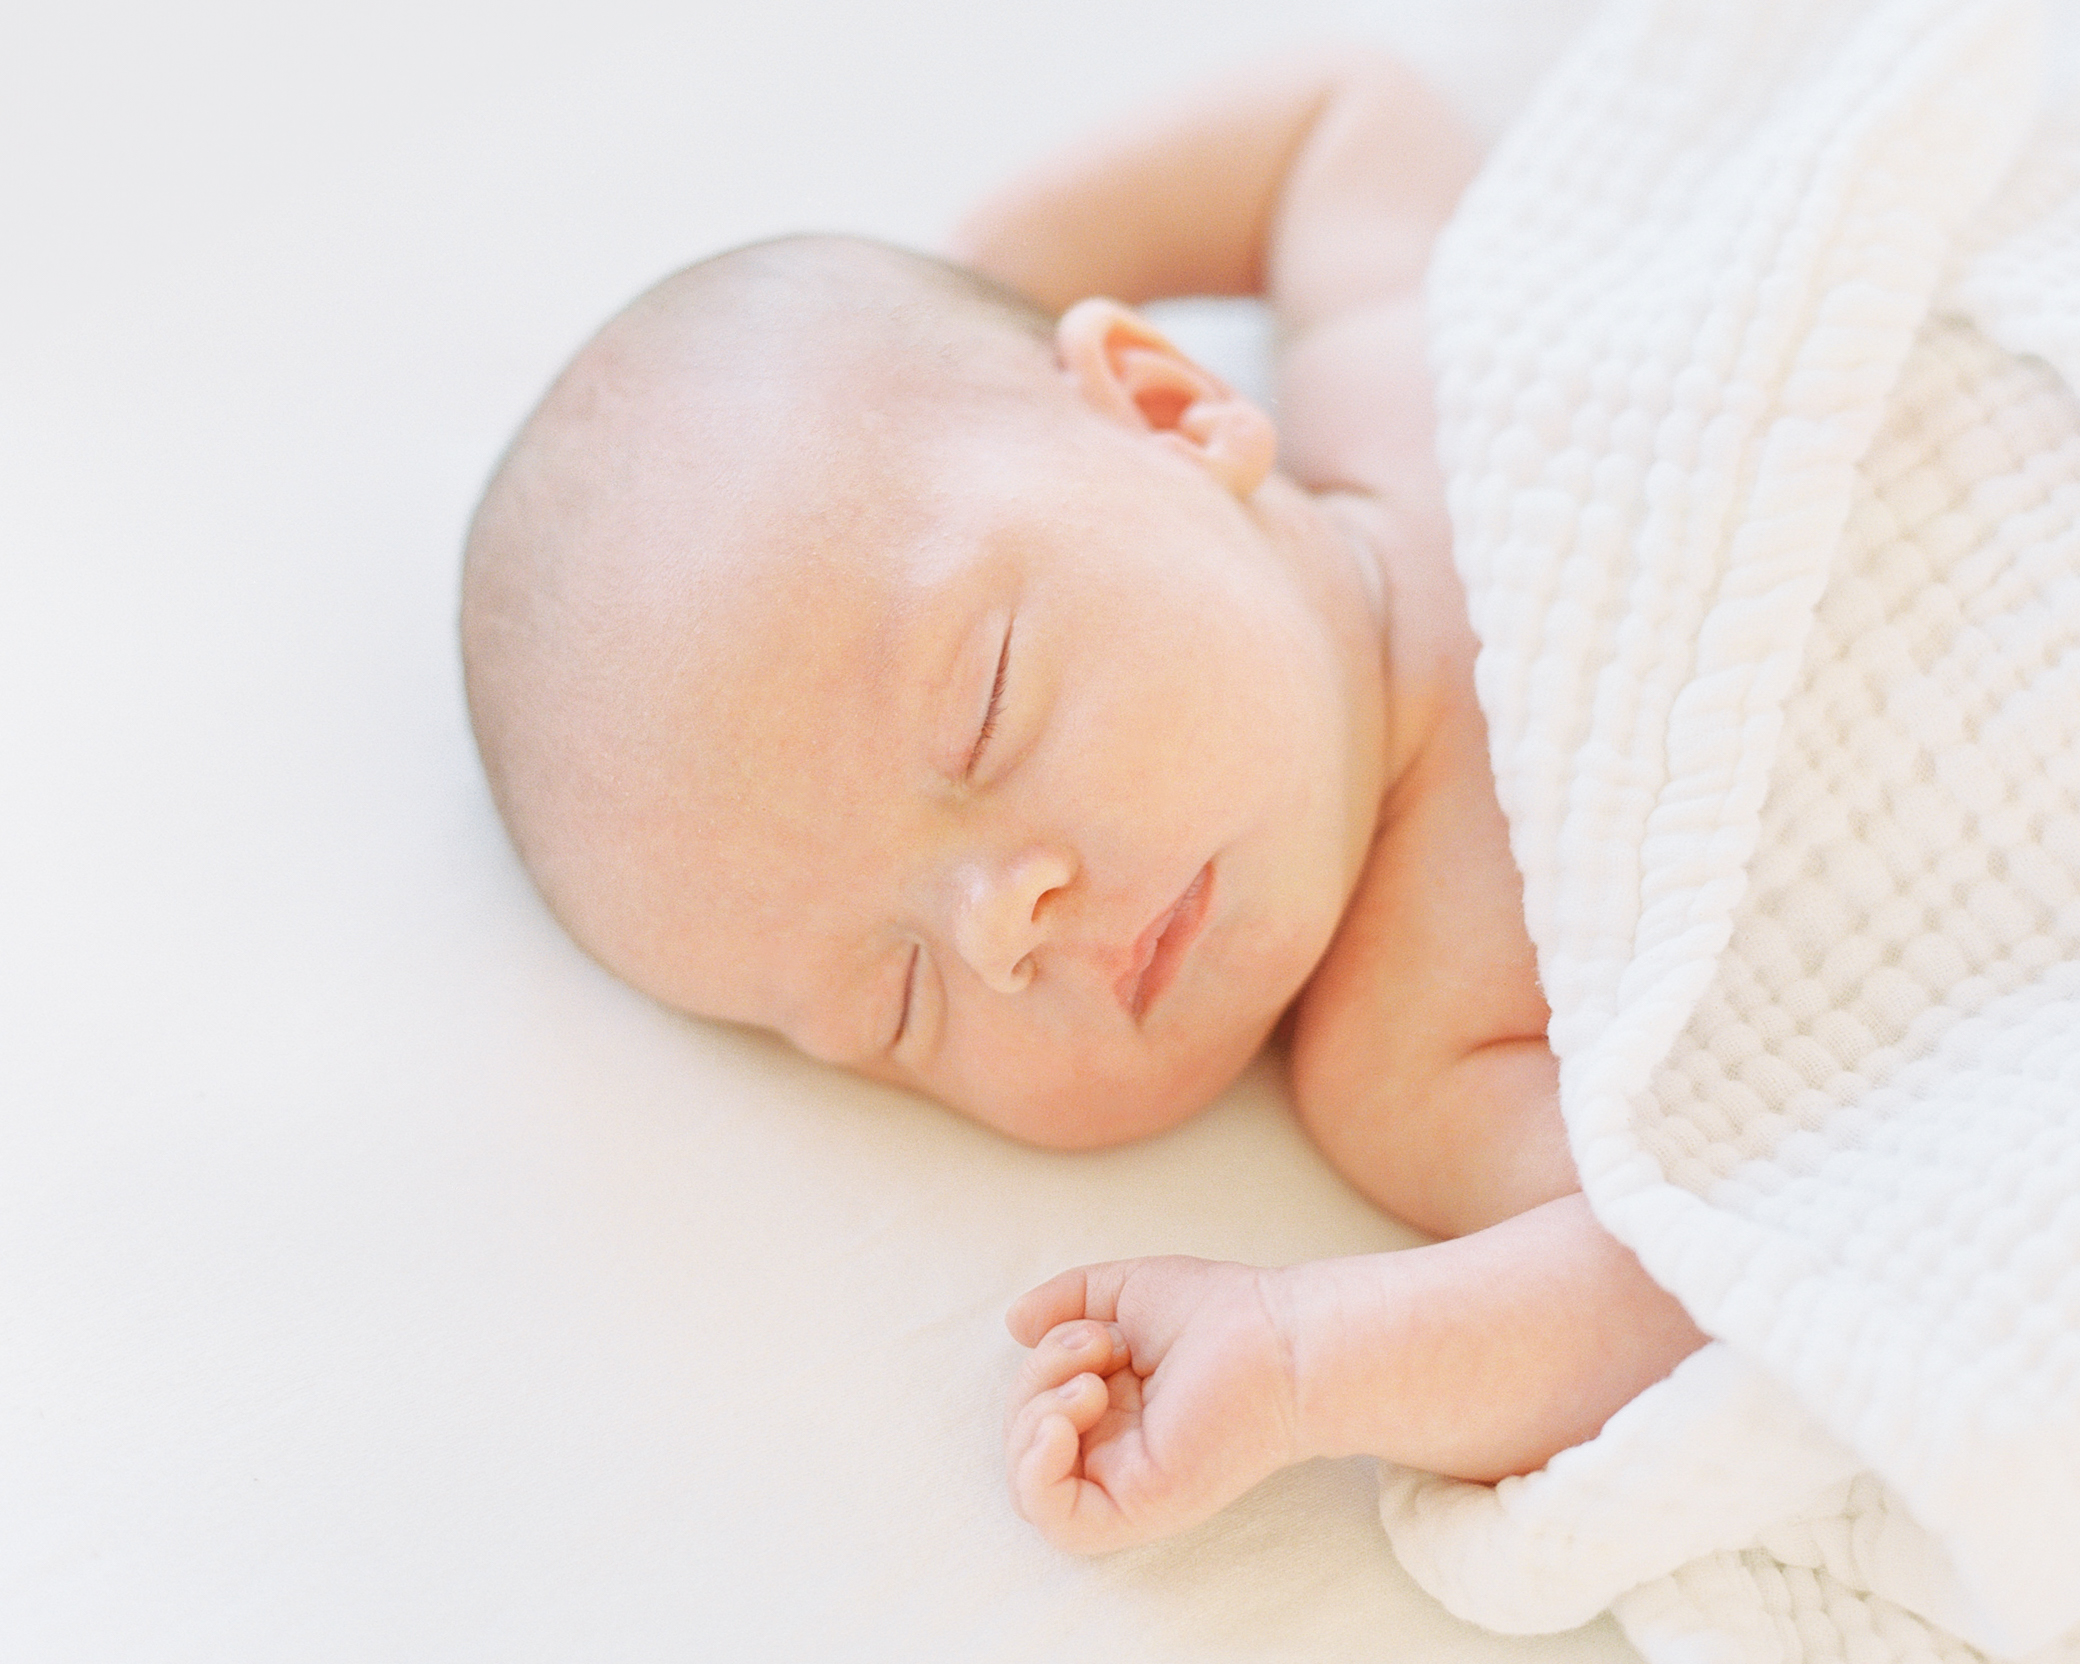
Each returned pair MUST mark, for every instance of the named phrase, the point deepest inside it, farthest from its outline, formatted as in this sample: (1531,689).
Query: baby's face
(1044,799)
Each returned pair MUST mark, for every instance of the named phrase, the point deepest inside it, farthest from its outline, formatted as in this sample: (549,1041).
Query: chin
(1097,1114)
(1071,1137)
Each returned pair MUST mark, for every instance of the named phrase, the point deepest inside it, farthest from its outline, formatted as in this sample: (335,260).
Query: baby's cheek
(1060,1101)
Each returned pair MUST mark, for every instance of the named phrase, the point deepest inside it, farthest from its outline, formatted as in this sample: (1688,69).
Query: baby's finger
(1044,1456)
(1067,1350)
(1058,1300)
(1084,1396)
(1082,1399)
(1044,1480)
(1088,1291)
(1070,1348)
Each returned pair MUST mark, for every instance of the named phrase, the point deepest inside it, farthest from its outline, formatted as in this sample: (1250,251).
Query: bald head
(741,413)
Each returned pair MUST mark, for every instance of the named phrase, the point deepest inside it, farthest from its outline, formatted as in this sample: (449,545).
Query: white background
(377,1280)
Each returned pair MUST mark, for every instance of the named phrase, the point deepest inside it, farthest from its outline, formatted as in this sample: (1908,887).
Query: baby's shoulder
(1430,964)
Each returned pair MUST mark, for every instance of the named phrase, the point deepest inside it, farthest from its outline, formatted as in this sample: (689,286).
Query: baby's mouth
(1161,948)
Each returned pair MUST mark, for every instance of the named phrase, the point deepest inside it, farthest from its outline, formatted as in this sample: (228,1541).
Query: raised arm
(1320,186)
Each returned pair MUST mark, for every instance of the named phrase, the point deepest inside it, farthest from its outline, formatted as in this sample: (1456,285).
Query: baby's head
(857,652)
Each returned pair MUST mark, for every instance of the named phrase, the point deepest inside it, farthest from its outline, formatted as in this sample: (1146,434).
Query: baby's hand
(1157,1392)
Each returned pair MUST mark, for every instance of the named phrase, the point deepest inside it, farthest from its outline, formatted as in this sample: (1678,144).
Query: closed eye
(909,997)
(989,716)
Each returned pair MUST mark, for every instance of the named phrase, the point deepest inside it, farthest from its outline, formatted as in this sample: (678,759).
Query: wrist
(1339,1319)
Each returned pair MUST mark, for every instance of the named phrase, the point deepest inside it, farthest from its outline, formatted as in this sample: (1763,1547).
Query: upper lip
(1158,950)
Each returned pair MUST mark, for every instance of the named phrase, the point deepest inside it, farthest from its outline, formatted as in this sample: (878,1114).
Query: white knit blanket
(1755,345)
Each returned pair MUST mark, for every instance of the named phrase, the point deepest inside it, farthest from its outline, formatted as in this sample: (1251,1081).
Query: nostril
(1007,914)
(1047,876)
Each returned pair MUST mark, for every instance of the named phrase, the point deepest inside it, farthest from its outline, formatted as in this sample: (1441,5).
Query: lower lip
(1175,932)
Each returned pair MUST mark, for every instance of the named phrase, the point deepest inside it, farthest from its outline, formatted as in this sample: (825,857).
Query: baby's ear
(1125,369)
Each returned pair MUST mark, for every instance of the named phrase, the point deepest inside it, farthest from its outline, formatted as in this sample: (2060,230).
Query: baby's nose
(1004,916)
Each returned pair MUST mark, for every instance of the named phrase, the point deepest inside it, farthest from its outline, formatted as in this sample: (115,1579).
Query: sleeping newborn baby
(863,650)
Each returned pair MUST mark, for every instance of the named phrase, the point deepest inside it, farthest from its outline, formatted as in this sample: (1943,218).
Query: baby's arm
(1157,1391)
(1320,186)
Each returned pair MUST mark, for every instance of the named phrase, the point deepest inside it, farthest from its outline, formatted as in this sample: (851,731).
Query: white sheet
(377,1280)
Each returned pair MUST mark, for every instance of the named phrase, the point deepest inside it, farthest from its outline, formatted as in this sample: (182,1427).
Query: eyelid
(903,1012)
(989,715)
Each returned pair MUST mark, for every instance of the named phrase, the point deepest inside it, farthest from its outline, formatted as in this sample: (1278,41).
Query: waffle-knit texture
(1755,348)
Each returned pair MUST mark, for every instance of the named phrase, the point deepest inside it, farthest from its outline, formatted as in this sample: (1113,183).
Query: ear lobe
(1125,369)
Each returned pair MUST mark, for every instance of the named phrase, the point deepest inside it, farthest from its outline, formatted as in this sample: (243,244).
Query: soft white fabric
(1756,345)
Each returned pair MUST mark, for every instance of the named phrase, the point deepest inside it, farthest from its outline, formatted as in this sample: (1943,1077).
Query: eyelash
(989,716)
(909,993)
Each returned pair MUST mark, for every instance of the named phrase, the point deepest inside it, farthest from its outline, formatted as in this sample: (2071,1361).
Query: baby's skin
(1156,1391)
(963,692)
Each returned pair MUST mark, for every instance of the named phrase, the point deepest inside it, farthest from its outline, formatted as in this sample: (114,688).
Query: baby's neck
(1400,553)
